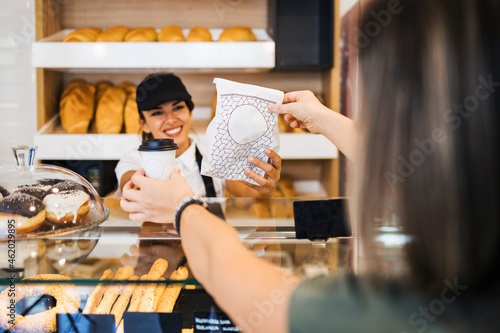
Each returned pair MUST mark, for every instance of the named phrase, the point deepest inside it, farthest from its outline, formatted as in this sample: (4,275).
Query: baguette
(96,295)
(122,301)
(172,291)
(148,296)
(137,296)
(158,291)
(112,292)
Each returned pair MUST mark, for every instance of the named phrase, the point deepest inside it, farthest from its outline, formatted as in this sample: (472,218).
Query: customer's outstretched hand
(302,109)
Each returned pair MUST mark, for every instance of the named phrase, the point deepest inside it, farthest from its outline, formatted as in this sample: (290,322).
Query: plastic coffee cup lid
(158,145)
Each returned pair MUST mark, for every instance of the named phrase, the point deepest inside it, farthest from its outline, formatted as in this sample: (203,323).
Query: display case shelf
(52,52)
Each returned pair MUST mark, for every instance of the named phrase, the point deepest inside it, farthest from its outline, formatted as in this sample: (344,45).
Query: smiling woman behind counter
(165,110)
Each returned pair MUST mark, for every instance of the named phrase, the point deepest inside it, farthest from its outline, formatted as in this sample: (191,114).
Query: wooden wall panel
(160,13)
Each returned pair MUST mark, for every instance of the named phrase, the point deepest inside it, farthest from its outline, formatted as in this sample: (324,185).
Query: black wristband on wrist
(182,205)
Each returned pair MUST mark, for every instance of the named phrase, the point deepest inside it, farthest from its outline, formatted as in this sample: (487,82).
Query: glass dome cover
(44,200)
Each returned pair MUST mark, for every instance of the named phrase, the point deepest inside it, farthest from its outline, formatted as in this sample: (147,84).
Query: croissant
(237,34)
(199,34)
(171,33)
(109,113)
(113,34)
(83,35)
(141,35)
(76,108)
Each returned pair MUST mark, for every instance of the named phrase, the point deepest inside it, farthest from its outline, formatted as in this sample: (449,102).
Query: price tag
(213,322)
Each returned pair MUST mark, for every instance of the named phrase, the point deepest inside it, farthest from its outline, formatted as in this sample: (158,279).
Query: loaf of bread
(76,108)
(127,86)
(100,88)
(83,35)
(109,113)
(71,85)
(171,33)
(131,116)
(237,34)
(146,34)
(113,34)
(199,34)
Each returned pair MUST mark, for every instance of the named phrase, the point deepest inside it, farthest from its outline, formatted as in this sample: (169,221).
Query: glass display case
(116,260)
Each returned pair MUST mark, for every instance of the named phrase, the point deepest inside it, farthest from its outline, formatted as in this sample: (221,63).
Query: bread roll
(109,113)
(113,34)
(83,35)
(171,33)
(76,108)
(237,34)
(141,35)
(199,34)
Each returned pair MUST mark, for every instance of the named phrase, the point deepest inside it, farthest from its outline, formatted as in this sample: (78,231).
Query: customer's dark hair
(430,124)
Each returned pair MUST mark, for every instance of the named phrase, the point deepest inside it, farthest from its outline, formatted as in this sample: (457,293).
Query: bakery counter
(52,52)
(122,273)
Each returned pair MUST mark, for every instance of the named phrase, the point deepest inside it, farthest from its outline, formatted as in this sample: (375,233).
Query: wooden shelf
(55,144)
(52,52)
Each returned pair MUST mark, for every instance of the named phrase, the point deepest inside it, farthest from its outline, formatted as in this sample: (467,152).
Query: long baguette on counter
(171,292)
(96,295)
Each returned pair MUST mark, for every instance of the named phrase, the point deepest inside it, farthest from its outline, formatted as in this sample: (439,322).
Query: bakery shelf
(54,144)
(51,52)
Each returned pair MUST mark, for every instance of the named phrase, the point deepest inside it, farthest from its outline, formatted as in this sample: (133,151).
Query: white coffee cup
(158,157)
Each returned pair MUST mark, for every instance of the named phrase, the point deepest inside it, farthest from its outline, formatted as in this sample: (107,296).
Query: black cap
(157,89)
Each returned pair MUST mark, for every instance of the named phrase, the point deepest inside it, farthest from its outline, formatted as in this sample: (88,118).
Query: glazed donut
(66,295)
(66,206)
(27,211)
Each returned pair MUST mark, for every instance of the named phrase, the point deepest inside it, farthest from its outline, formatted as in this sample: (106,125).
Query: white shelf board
(54,144)
(52,52)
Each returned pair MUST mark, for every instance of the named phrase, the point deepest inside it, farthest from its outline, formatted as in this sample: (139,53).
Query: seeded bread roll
(77,108)
(146,34)
(83,35)
(237,34)
(199,34)
(113,34)
(109,113)
(171,33)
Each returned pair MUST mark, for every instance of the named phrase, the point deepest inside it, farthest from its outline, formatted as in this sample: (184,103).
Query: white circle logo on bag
(243,117)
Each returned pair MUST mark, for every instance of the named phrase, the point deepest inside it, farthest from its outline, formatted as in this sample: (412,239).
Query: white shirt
(186,162)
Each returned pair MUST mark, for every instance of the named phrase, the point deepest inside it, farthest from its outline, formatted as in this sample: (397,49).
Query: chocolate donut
(27,211)
(3,192)
(67,185)
(37,190)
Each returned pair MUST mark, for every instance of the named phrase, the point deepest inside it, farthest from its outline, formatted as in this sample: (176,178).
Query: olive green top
(346,304)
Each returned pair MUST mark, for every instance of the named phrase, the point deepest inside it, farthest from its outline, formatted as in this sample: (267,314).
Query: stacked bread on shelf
(101,108)
(115,299)
(170,33)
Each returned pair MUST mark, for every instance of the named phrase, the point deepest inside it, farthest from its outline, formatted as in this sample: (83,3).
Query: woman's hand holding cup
(152,200)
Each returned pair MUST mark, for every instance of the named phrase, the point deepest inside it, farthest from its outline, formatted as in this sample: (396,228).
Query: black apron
(208,181)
